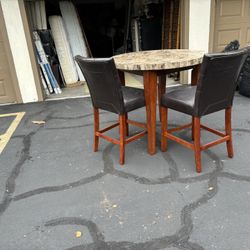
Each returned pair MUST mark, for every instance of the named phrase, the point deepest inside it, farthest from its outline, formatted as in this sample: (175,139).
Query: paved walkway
(55,193)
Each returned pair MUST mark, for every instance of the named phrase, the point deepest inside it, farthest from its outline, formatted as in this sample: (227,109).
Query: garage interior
(108,27)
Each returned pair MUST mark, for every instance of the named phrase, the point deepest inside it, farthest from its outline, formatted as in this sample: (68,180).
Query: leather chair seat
(182,99)
(133,98)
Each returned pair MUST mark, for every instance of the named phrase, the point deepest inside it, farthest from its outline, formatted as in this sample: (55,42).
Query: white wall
(199,27)
(19,50)
(199,23)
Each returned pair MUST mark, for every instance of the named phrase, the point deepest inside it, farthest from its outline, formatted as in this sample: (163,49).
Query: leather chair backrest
(103,82)
(217,81)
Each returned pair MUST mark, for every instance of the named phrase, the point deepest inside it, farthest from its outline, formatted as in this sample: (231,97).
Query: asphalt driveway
(55,193)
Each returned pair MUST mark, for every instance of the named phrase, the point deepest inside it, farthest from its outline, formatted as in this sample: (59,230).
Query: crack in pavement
(99,239)
(11,181)
(179,240)
(63,187)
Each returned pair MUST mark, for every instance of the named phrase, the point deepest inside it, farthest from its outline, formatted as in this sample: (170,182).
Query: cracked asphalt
(52,185)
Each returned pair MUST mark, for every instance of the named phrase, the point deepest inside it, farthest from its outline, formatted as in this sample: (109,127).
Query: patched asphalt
(53,186)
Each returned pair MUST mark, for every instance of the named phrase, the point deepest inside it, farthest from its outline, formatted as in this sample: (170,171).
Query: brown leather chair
(214,91)
(107,93)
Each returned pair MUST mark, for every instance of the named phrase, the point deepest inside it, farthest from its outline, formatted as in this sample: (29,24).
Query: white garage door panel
(247,9)
(7,93)
(231,8)
(225,34)
(2,88)
(232,21)
(248,36)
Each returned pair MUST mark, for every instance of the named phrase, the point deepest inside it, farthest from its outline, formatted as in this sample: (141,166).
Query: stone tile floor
(52,185)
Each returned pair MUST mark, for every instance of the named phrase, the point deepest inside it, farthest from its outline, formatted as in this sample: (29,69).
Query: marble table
(157,63)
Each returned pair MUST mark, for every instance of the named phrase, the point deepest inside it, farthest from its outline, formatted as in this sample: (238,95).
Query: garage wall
(19,50)
(196,16)
(199,24)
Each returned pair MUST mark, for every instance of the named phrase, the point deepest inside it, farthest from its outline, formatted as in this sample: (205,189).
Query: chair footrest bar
(137,136)
(213,143)
(179,140)
(214,131)
(107,138)
(109,127)
(180,128)
(137,124)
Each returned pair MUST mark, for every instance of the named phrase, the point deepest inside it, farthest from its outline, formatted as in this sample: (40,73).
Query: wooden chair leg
(122,121)
(228,128)
(197,146)
(96,129)
(161,91)
(192,127)
(127,125)
(164,125)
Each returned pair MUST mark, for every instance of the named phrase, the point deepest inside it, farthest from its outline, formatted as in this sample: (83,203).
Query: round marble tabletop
(158,59)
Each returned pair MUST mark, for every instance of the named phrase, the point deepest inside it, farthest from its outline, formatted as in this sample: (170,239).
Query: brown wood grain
(228,129)
(150,91)
(96,129)
(197,144)
(122,123)
(122,119)
(195,74)
(164,127)
(161,90)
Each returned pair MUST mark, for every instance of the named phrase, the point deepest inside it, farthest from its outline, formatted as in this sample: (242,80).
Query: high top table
(157,63)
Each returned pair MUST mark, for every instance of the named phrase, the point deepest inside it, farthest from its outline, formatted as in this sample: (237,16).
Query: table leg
(161,90)
(194,80)
(122,77)
(150,90)
(195,74)
(122,80)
